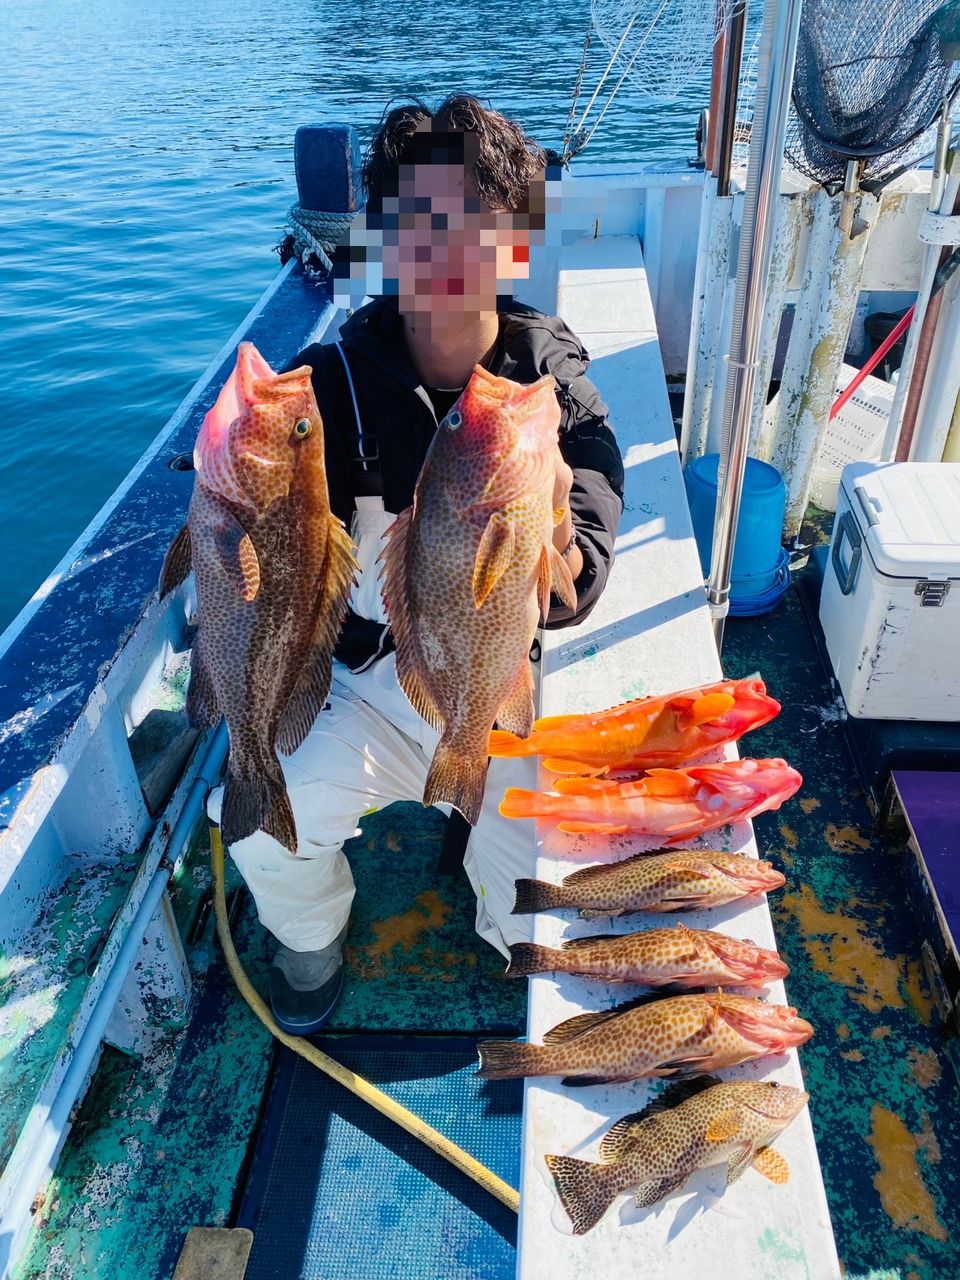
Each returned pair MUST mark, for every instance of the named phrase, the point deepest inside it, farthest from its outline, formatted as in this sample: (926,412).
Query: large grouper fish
(468,571)
(274,568)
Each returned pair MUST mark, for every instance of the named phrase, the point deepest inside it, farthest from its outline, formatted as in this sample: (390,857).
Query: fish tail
(538,895)
(517,803)
(502,1059)
(502,743)
(530,957)
(456,779)
(258,803)
(586,1190)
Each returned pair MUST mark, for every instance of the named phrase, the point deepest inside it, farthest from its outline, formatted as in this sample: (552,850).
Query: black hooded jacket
(399,421)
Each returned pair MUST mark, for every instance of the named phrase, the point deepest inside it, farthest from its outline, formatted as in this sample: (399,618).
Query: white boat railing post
(778,46)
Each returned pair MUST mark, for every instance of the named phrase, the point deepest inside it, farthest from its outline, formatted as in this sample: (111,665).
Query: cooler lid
(908,514)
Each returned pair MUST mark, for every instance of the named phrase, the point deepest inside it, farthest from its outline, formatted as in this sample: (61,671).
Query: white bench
(649,633)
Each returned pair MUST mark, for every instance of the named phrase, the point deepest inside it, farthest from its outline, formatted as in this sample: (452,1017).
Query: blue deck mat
(336,1190)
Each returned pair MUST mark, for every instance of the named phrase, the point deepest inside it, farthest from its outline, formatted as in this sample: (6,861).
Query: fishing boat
(152,1123)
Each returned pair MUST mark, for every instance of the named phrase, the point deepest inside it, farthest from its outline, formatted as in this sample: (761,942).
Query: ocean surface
(146,166)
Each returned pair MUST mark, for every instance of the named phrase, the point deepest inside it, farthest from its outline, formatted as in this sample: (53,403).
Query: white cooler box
(890,606)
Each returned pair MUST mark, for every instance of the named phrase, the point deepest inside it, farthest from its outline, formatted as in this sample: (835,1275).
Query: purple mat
(931,802)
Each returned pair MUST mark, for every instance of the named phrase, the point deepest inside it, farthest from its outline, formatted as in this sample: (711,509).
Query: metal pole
(731,84)
(778,47)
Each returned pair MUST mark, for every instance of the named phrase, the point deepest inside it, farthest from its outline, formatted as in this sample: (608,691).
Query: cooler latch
(932,594)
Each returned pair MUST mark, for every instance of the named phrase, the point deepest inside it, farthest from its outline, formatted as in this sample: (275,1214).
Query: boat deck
(159,1150)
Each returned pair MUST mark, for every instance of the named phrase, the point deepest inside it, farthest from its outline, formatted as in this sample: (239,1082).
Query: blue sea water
(145,170)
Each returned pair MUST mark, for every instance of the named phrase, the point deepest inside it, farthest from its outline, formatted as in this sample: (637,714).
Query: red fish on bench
(672,804)
(646,733)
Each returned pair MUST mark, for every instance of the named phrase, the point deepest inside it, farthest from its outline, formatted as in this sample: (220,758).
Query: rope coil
(312,236)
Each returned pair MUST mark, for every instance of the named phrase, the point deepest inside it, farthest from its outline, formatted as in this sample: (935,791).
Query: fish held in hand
(693,1125)
(274,568)
(656,1035)
(468,571)
(675,880)
(678,957)
(673,804)
(646,733)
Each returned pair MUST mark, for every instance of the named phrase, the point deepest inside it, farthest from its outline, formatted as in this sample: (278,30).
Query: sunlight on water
(146,169)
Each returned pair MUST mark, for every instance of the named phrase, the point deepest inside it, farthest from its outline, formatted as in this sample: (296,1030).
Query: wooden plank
(214,1253)
(649,633)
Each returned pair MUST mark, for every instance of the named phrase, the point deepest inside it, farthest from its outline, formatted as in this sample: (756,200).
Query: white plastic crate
(890,605)
(854,435)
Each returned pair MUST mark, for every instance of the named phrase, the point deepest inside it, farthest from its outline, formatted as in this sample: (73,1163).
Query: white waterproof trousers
(367,749)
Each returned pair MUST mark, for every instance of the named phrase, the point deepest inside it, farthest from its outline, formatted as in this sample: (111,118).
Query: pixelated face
(445,251)
(262,427)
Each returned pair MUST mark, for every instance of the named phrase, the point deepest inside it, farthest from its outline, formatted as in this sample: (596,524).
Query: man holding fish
(472,462)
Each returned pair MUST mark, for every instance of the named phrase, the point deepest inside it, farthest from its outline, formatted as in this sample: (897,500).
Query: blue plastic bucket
(759,575)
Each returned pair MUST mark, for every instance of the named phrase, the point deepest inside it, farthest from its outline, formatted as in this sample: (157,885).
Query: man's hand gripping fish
(673,804)
(646,733)
(468,571)
(693,1125)
(274,568)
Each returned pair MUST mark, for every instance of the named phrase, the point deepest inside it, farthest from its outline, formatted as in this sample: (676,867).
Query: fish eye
(302,428)
(454,420)
(774,1084)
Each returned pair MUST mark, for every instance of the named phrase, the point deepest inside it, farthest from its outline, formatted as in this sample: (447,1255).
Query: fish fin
(537,895)
(394,592)
(676,1092)
(503,1059)
(585,786)
(558,514)
(724,1126)
(494,554)
(684,1068)
(739,1160)
(553,722)
(258,803)
(584,1192)
(313,686)
(587,874)
(584,1082)
(561,579)
(201,707)
(456,779)
(648,1193)
(619,1137)
(516,711)
(591,828)
(518,803)
(577,944)
(237,555)
(667,782)
(177,562)
(577,768)
(503,743)
(709,706)
(772,1165)
(576,1026)
(530,957)
(581,1023)
(544,579)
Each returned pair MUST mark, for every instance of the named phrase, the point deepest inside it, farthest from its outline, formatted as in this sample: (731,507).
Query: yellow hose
(356,1084)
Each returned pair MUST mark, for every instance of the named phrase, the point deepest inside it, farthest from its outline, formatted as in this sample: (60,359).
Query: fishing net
(662,46)
(871,77)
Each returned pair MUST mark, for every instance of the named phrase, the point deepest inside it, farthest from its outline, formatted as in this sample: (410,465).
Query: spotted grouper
(669,880)
(468,571)
(693,1125)
(677,957)
(274,568)
(653,1036)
